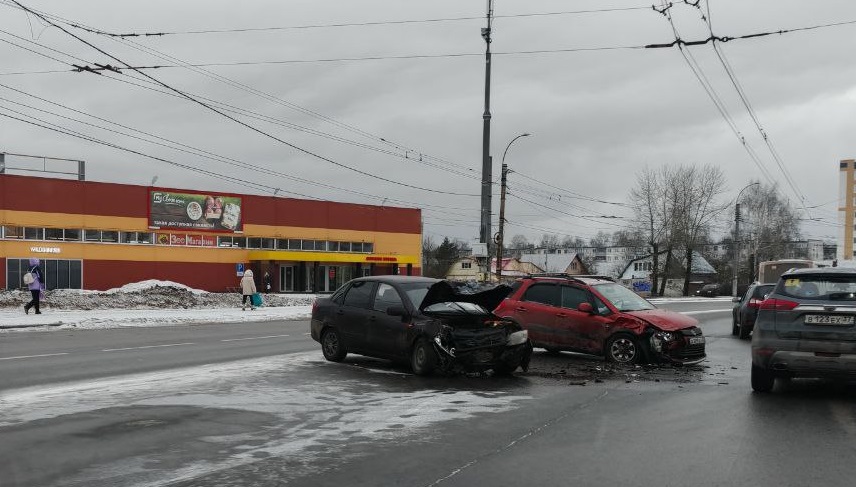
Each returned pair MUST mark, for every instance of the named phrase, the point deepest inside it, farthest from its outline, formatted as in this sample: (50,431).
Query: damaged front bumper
(515,352)
(686,347)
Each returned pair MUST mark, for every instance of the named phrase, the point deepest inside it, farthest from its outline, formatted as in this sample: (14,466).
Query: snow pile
(150,294)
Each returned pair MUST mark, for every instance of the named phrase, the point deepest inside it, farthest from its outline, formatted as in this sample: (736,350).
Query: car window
(416,291)
(573,296)
(385,297)
(601,307)
(818,286)
(543,293)
(622,298)
(762,291)
(360,294)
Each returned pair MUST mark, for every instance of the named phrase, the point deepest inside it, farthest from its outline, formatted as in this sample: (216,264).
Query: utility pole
(487,162)
(500,235)
(736,248)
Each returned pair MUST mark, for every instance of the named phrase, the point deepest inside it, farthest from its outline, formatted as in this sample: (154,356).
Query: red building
(92,235)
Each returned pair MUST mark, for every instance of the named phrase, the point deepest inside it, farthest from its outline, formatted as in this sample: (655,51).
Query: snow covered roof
(550,262)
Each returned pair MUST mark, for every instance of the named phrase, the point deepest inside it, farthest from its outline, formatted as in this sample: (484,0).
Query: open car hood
(450,291)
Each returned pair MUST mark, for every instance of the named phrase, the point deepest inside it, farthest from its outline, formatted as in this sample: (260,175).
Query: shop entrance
(287,278)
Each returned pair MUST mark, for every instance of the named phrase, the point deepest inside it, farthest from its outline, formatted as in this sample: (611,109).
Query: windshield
(828,287)
(622,298)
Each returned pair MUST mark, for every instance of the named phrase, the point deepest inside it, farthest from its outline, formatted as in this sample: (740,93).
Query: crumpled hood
(664,319)
(449,291)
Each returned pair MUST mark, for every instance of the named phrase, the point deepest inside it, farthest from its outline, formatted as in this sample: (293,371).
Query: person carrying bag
(36,284)
(248,288)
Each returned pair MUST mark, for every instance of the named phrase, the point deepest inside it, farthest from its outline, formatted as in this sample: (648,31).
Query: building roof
(550,262)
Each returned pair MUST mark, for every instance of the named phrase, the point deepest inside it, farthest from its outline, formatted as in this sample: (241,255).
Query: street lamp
(736,246)
(499,235)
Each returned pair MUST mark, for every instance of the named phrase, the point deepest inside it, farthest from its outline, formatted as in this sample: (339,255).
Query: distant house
(637,273)
(464,269)
(559,263)
(513,268)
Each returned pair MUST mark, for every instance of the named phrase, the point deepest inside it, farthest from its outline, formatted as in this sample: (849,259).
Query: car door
(536,311)
(353,315)
(386,333)
(577,329)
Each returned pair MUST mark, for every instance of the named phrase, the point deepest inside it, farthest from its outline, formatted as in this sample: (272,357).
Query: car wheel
(762,379)
(744,331)
(504,369)
(735,328)
(423,358)
(331,346)
(623,349)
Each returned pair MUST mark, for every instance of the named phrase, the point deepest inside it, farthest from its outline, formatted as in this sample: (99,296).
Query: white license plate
(696,340)
(828,320)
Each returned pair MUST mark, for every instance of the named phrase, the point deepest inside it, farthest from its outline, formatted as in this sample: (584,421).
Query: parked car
(806,327)
(709,290)
(432,324)
(596,315)
(746,309)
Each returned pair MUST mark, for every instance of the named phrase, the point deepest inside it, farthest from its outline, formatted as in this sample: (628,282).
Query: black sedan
(430,323)
(746,307)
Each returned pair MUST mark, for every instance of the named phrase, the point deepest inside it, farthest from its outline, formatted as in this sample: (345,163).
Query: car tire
(331,345)
(762,379)
(504,369)
(744,331)
(423,357)
(623,348)
(735,328)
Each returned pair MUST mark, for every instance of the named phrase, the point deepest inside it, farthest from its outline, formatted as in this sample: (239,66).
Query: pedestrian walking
(248,288)
(36,284)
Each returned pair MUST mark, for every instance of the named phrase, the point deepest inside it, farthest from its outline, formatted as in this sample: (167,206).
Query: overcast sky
(597,117)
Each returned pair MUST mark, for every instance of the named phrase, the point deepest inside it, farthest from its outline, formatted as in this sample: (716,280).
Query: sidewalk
(118,318)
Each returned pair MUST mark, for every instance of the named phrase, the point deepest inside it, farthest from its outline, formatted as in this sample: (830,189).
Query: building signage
(188,240)
(381,259)
(45,250)
(195,211)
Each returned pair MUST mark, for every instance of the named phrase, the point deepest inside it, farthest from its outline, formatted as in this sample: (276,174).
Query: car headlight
(517,338)
(659,338)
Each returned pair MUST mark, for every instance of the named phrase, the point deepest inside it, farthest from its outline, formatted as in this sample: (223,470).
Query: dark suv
(806,327)
(595,315)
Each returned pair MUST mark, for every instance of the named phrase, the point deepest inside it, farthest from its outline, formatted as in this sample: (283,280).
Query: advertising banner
(186,240)
(192,211)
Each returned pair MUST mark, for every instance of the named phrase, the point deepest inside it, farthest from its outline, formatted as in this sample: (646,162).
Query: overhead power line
(242,123)
(353,24)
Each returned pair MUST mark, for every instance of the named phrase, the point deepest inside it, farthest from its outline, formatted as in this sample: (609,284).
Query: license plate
(828,320)
(696,340)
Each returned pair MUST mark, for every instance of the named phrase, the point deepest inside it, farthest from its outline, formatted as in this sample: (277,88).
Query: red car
(596,315)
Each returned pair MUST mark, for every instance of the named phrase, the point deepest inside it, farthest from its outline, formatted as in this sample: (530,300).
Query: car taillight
(755,302)
(778,304)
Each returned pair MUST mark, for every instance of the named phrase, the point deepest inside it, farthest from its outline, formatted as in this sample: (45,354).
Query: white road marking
(252,338)
(34,356)
(147,346)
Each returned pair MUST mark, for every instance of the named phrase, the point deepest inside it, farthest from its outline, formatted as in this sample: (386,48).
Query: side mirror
(396,310)
(735,299)
(585,308)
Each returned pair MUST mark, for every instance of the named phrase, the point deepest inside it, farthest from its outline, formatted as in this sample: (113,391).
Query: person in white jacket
(248,288)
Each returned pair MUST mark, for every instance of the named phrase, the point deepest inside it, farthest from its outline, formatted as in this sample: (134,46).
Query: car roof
(397,279)
(583,279)
(847,271)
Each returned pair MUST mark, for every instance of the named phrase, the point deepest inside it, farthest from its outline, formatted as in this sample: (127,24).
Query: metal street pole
(735,266)
(501,234)
(487,170)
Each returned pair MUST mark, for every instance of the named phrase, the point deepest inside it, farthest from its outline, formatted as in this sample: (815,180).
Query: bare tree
(653,201)
(698,189)
(769,223)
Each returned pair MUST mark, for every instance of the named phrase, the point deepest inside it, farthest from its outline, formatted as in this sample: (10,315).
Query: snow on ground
(146,303)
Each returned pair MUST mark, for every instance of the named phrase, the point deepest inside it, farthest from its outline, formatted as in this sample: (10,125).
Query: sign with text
(187,240)
(192,211)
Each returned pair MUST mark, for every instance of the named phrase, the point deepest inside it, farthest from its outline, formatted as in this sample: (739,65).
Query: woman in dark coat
(37,287)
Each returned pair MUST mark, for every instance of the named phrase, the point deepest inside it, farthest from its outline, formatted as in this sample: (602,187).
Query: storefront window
(109,236)
(332,246)
(92,235)
(356,246)
(344,246)
(145,237)
(368,247)
(58,274)
(224,241)
(53,234)
(282,244)
(268,243)
(128,237)
(239,242)
(72,234)
(254,243)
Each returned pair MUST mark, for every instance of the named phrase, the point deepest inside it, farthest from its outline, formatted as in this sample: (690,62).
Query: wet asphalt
(245,405)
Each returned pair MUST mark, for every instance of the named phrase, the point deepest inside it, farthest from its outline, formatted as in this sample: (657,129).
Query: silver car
(806,327)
